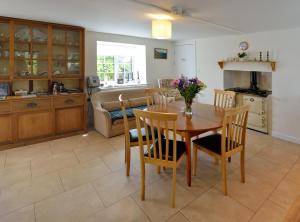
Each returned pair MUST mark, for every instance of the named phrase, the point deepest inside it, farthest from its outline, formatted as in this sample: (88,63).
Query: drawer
(68,101)
(257,104)
(31,104)
(4,107)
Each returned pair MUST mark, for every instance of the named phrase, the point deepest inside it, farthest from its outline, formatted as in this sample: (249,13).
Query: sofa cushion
(111,106)
(135,102)
(118,114)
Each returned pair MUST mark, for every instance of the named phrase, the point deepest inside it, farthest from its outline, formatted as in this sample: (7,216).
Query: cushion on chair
(212,143)
(181,148)
(134,136)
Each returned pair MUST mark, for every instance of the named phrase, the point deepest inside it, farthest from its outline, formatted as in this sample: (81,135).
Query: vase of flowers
(188,89)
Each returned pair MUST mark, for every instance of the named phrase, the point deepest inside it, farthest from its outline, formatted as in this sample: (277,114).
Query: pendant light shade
(161,29)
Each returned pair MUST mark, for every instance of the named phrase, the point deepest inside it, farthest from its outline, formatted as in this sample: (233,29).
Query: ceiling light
(160,16)
(161,29)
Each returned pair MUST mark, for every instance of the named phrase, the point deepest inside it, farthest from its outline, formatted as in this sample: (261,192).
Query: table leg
(187,138)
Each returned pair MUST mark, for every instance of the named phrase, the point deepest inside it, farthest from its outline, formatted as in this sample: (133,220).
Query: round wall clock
(244,45)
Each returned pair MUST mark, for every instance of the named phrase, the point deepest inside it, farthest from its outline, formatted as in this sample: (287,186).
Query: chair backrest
(158,124)
(224,99)
(234,128)
(125,118)
(155,96)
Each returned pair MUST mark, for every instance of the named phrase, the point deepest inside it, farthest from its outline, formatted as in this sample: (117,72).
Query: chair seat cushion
(181,148)
(134,136)
(211,142)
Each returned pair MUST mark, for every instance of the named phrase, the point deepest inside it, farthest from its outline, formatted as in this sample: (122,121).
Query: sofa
(108,118)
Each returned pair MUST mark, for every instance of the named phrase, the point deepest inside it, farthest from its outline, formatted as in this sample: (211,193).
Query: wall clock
(244,45)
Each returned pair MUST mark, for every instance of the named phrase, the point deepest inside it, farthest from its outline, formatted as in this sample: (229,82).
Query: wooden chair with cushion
(162,152)
(230,142)
(224,99)
(131,135)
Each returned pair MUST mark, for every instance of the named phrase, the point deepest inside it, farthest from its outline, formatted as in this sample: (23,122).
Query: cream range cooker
(259,117)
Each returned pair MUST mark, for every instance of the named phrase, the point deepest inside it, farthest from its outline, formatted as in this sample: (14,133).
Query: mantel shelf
(272,63)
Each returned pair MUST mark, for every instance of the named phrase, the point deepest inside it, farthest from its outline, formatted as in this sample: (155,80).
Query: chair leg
(216,161)
(229,159)
(243,166)
(224,174)
(143,181)
(128,161)
(195,156)
(174,188)
(158,169)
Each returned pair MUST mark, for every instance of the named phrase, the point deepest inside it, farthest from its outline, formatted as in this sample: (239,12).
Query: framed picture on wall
(160,53)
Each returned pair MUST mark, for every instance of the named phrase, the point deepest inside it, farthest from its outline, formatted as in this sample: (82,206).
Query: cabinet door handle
(69,101)
(31,105)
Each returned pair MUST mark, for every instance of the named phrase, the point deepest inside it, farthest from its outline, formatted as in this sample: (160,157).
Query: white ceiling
(129,18)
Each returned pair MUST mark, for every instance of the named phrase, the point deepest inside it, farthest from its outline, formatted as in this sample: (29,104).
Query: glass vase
(188,107)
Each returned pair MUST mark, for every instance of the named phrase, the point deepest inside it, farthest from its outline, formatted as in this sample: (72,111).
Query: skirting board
(285,137)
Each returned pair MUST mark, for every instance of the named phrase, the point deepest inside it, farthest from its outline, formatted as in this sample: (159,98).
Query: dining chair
(162,152)
(131,135)
(224,99)
(156,96)
(226,144)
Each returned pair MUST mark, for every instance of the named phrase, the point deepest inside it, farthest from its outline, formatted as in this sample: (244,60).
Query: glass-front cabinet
(4,49)
(66,53)
(30,51)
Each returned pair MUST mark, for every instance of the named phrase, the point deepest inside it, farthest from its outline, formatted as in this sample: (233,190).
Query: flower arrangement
(188,89)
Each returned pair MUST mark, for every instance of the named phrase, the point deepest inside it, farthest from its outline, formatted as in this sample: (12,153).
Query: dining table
(204,118)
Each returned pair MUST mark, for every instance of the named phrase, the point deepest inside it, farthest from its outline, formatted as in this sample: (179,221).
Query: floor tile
(286,193)
(70,206)
(38,151)
(74,176)
(294,173)
(115,186)
(55,162)
(125,210)
(157,203)
(25,214)
(265,170)
(269,212)
(13,174)
(115,160)
(246,193)
(178,218)
(213,207)
(2,159)
(279,157)
(93,151)
(27,192)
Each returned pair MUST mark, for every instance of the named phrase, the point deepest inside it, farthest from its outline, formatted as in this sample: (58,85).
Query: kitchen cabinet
(34,124)
(5,128)
(69,119)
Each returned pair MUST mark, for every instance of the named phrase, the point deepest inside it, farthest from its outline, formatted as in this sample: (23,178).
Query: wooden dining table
(204,118)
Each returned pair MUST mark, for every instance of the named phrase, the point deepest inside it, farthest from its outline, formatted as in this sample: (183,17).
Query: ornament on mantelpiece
(268,59)
(260,56)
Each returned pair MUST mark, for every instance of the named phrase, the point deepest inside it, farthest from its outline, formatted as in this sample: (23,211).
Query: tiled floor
(82,178)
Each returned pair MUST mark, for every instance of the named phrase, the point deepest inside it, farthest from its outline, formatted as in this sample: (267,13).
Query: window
(121,64)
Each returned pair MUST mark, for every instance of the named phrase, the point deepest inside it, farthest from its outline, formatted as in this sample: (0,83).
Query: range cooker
(260,104)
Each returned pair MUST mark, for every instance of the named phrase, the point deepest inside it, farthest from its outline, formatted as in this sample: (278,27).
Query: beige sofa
(104,102)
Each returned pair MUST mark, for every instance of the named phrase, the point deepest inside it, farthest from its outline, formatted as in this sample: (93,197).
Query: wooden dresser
(34,55)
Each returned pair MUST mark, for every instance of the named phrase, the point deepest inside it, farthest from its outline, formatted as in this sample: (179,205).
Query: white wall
(155,68)
(285,81)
